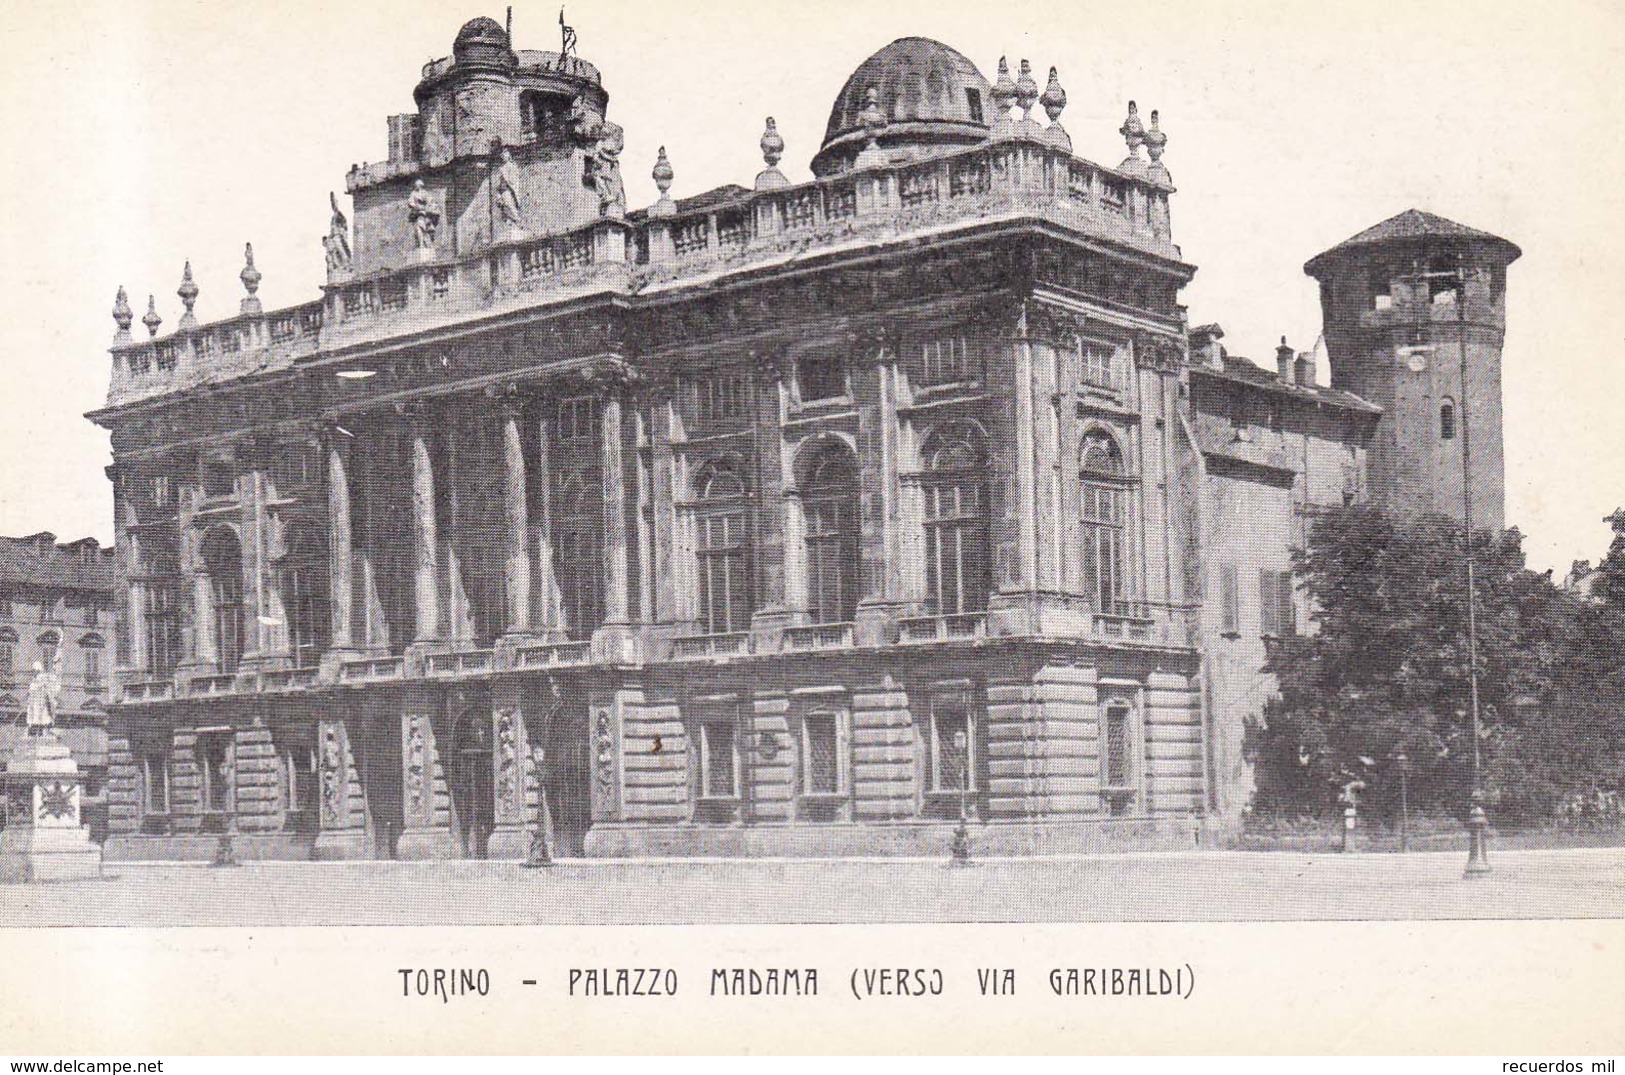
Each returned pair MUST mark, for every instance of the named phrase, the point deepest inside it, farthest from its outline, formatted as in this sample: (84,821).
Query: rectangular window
(163,630)
(1275,613)
(578,419)
(1098,367)
(946,361)
(956,549)
(820,378)
(1104,538)
(719,760)
(952,750)
(214,770)
(5,604)
(155,781)
(1229,600)
(1118,785)
(725,605)
(92,613)
(823,764)
(973,102)
(160,491)
(93,667)
(8,660)
(47,608)
(719,397)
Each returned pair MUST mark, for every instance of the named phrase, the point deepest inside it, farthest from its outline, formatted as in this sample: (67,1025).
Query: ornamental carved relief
(507,761)
(603,747)
(1156,352)
(417,775)
(333,775)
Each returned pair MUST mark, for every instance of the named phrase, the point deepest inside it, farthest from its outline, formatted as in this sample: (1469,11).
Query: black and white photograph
(977,465)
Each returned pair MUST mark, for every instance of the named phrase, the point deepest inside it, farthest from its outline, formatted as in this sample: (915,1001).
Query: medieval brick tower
(1397,301)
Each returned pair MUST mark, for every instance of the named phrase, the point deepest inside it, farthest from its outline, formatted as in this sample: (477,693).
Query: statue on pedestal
(43,693)
(603,142)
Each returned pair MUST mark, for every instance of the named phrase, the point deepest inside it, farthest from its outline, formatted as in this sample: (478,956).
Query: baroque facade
(797,518)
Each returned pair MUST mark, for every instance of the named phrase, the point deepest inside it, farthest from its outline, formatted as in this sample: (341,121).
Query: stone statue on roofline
(337,241)
(505,181)
(603,142)
(423,217)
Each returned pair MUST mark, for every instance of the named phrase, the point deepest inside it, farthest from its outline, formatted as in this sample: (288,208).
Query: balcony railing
(288,679)
(372,670)
(1007,179)
(818,636)
(155,690)
(957,627)
(203,686)
(724,645)
(553,655)
(459,663)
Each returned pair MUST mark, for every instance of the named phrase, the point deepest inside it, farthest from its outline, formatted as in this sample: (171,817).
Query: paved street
(1212,886)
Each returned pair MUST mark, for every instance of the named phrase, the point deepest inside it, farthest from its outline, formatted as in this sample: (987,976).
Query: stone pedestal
(43,839)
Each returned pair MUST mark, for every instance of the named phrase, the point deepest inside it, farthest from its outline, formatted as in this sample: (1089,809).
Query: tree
(1382,673)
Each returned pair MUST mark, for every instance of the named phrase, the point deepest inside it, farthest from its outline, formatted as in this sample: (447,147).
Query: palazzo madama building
(779,519)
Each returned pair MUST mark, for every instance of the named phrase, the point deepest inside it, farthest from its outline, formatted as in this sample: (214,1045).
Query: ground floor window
(214,771)
(1118,764)
(951,748)
(719,760)
(823,761)
(155,781)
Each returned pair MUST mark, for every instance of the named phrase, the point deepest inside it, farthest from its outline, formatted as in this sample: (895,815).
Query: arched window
(1104,520)
(830,502)
(223,559)
(303,581)
(722,549)
(1447,420)
(578,540)
(956,525)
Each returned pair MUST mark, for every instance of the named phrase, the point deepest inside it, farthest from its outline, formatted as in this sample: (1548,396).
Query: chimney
(1304,369)
(1205,345)
(1283,362)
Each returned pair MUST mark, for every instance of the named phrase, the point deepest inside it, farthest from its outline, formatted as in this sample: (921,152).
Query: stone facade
(801,519)
(58,603)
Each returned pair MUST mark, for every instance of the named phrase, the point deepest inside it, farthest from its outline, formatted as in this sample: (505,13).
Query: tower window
(973,100)
(1447,420)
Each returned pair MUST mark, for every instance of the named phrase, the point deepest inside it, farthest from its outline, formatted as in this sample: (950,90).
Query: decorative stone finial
(872,118)
(663,175)
(188,293)
(1155,143)
(772,152)
(1134,134)
(250,277)
(1053,101)
(122,316)
(1026,97)
(1004,95)
(874,122)
(152,320)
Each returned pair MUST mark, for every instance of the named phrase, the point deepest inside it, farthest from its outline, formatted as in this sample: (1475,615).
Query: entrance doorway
(472,797)
(569,781)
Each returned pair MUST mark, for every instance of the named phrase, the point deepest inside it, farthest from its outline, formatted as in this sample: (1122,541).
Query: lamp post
(1404,762)
(959,848)
(1478,863)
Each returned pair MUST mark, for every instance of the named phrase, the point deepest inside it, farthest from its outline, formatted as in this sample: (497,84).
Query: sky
(144,134)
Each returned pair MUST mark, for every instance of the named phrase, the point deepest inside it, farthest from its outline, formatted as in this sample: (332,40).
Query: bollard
(1350,820)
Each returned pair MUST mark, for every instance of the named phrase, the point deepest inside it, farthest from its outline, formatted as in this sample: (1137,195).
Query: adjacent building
(56,613)
(788,518)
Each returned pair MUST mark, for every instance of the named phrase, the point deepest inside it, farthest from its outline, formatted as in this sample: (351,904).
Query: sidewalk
(1174,887)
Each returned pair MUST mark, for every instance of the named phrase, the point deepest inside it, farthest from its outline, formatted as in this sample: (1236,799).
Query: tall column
(544,580)
(137,621)
(340,544)
(516,516)
(616,572)
(1026,479)
(425,542)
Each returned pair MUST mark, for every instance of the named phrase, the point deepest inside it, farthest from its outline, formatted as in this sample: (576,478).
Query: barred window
(719,396)
(952,748)
(946,360)
(719,759)
(823,766)
(1118,782)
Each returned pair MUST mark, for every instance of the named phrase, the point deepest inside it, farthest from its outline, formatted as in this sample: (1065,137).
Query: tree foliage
(1379,683)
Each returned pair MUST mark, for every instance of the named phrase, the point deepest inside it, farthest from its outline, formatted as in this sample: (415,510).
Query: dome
(482,41)
(932,97)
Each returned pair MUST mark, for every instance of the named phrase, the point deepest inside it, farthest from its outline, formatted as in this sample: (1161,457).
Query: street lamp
(1478,863)
(960,847)
(1404,762)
